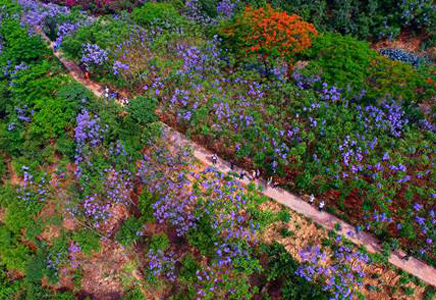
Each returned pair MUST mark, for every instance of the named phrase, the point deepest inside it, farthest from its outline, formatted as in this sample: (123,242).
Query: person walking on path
(321,206)
(408,254)
(253,174)
(269,182)
(232,166)
(106,94)
(311,199)
(241,175)
(257,175)
(214,159)
(86,73)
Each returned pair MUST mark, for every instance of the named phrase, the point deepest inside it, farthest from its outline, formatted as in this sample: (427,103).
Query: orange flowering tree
(270,33)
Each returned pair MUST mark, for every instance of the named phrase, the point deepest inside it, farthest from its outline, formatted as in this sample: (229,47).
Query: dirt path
(412,266)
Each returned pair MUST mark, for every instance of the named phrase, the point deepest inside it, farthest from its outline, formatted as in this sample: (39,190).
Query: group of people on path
(320,205)
(254,175)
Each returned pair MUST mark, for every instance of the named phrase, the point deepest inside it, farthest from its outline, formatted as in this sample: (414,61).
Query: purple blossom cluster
(93,54)
(199,62)
(389,118)
(88,131)
(54,260)
(23,114)
(117,186)
(66,29)
(330,94)
(226,9)
(74,249)
(209,280)
(162,264)
(96,212)
(32,191)
(36,12)
(341,276)
(119,65)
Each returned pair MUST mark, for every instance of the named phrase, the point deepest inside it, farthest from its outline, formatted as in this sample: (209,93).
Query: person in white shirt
(321,205)
(311,199)
(106,94)
(214,159)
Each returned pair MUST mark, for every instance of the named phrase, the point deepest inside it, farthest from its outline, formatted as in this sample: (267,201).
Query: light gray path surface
(412,266)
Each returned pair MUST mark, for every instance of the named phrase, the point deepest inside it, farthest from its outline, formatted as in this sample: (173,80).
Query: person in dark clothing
(232,166)
(214,159)
(241,175)
(408,254)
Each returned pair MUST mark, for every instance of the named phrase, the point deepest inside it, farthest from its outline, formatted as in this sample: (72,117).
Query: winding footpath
(328,221)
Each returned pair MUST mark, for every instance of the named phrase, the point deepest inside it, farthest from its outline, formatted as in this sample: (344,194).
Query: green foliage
(203,237)
(189,267)
(9,289)
(409,291)
(133,294)
(35,83)
(342,61)
(281,267)
(128,231)
(369,19)
(146,201)
(18,46)
(105,33)
(52,117)
(142,110)
(159,242)
(263,218)
(353,66)
(286,233)
(284,216)
(76,95)
(156,14)
(87,239)
(14,254)
(397,80)
(430,293)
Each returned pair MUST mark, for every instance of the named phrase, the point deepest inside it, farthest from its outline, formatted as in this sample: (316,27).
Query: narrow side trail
(412,266)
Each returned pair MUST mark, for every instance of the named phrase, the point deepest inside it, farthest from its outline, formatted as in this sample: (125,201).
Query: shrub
(146,201)
(128,231)
(430,293)
(270,33)
(189,267)
(76,95)
(52,117)
(342,61)
(161,14)
(142,110)
(284,216)
(88,240)
(397,80)
(281,267)
(159,242)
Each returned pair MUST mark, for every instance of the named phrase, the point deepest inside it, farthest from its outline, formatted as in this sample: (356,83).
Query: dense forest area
(330,98)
